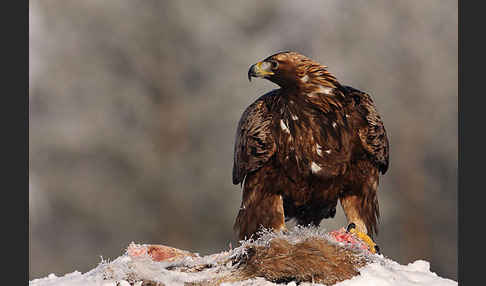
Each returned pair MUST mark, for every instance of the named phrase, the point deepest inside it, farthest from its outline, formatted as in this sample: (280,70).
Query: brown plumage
(301,148)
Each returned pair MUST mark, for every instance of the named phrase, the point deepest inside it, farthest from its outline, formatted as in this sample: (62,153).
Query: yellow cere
(262,71)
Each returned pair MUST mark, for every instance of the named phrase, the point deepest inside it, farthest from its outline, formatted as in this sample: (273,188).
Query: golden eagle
(301,148)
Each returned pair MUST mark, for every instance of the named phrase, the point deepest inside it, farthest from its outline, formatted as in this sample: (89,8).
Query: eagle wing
(373,134)
(255,143)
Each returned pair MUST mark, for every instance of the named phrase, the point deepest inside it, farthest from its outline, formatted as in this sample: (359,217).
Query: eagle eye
(274,64)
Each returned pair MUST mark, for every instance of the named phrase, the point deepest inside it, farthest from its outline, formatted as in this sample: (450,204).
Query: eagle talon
(377,249)
(350,227)
(372,246)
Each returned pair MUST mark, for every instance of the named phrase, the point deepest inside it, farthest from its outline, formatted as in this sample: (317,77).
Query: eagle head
(291,70)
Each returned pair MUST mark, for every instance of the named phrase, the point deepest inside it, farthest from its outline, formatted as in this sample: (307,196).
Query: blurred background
(134,105)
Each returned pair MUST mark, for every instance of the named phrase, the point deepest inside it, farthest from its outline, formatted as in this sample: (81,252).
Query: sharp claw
(350,227)
(377,249)
(372,246)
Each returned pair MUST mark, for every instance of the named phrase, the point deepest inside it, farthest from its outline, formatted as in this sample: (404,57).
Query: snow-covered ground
(130,269)
(382,273)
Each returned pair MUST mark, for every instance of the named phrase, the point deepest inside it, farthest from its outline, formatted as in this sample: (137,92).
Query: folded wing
(373,134)
(255,143)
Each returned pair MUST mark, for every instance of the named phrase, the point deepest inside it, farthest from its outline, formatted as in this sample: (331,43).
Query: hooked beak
(260,69)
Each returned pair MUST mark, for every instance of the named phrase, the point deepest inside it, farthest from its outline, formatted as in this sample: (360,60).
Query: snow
(389,272)
(131,270)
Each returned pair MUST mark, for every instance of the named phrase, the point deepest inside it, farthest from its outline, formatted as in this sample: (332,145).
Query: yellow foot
(372,246)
